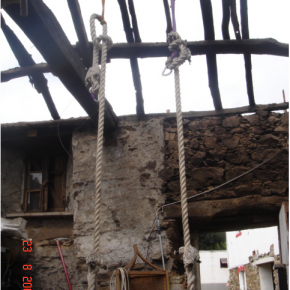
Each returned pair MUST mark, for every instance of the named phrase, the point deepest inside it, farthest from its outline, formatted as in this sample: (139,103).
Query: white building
(214,272)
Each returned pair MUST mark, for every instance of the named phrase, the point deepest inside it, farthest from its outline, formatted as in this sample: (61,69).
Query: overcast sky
(267,19)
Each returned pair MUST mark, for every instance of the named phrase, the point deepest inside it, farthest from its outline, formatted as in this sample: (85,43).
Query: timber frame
(70,62)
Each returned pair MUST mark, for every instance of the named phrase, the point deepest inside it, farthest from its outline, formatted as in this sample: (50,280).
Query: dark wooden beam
(19,72)
(25,59)
(247,56)
(207,18)
(242,110)
(76,15)
(168,17)
(234,18)
(45,32)
(134,21)
(226,19)
(266,46)
(133,60)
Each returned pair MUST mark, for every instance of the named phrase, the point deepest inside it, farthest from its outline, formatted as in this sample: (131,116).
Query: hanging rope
(94,76)
(173,62)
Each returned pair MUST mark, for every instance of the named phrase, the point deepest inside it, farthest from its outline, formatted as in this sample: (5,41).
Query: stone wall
(140,173)
(130,195)
(220,148)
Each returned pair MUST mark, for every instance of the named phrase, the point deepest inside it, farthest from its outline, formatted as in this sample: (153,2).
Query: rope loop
(93,74)
(180,52)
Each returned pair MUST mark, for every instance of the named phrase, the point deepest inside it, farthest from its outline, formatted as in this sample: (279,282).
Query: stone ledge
(39,214)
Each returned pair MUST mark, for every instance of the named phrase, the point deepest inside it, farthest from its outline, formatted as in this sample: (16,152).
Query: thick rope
(173,62)
(94,259)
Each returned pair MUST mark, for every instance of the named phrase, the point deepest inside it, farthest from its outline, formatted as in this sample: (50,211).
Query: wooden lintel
(133,60)
(247,56)
(207,18)
(76,15)
(52,43)
(268,46)
(19,72)
(25,59)
(168,17)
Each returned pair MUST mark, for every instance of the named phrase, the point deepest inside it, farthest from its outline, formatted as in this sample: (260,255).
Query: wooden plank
(241,110)
(133,60)
(40,214)
(207,18)
(78,22)
(247,56)
(19,72)
(63,60)
(267,46)
(168,17)
(25,59)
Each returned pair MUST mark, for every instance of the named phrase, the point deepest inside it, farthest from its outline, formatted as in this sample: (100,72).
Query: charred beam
(267,46)
(45,32)
(134,21)
(247,56)
(207,18)
(226,19)
(76,15)
(234,18)
(133,60)
(19,72)
(25,59)
(168,17)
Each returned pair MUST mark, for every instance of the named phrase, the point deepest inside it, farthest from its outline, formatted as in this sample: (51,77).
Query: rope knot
(180,54)
(190,255)
(93,80)
(94,260)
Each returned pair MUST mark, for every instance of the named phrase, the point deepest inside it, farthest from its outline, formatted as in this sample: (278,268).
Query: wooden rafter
(267,46)
(76,15)
(44,31)
(230,11)
(247,56)
(207,18)
(143,50)
(168,17)
(25,59)
(19,72)
(133,60)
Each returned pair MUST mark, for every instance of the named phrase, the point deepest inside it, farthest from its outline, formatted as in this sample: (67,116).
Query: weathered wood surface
(247,56)
(19,72)
(207,18)
(78,22)
(131,38)
(25,59)
(227,214)
(267,46)
(65,63)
